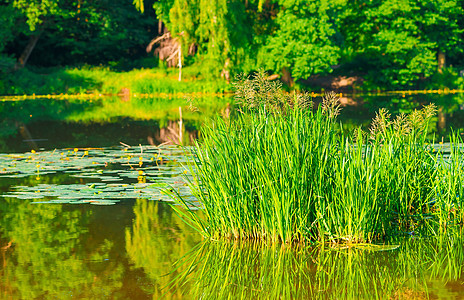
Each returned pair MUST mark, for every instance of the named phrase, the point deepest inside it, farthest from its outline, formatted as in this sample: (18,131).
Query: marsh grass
(283,172)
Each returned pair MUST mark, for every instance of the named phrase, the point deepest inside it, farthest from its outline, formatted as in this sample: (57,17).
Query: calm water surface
(93,222)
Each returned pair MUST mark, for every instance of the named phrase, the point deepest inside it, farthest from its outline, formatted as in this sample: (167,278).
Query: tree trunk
(160,27)
(441,61)
(287,77)
(22,60)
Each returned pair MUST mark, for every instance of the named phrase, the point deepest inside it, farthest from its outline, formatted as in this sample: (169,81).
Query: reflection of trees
(418,269)
(48,259)
(157,240)
(102,122)
(362,109)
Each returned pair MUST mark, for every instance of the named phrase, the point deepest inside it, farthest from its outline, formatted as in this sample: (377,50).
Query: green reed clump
(281,171)
(449,184)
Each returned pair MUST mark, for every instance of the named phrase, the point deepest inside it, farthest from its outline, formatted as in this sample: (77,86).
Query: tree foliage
(395,42)
(36,11)
(73,32)
(400,39)
(305,38)
(391,43)
(221,30)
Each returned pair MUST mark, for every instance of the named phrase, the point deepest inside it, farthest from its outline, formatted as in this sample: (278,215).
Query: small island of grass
(280,170)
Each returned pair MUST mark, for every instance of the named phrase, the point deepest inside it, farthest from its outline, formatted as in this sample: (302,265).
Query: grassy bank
(106,81)
(109,80)
(281,171)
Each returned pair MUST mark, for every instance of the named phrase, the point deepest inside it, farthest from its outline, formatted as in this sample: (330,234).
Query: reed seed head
(380,124)
(257,92)
(331,104)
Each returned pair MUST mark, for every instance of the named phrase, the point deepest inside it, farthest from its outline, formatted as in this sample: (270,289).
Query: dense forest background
(389,44)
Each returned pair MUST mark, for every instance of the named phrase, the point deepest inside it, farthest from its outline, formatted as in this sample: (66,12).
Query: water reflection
(64,252)
(360,109)
(45,257)
(418,269)
(52,123)
(124,251)
(142,249)
(156,241)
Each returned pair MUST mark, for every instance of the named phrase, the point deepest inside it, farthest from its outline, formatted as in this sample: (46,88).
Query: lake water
(84,215)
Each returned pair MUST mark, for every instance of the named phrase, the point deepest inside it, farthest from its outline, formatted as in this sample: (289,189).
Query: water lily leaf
(94,176)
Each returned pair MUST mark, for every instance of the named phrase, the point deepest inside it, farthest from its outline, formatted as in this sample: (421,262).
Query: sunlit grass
(102,80)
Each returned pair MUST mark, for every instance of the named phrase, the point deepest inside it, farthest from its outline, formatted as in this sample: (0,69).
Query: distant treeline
(389,43)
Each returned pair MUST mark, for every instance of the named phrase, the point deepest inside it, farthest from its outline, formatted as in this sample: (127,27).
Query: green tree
(72,32)
(305,41)
(35,13)
(441,24)
(7,18)
(221,30)
(95,32)
(398,41)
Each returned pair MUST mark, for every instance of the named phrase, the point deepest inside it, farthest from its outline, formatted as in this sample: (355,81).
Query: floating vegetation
(96,176)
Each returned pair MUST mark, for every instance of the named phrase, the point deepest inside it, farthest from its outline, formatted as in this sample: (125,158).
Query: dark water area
(104,122)
(85,217)
(50,123)
(359,110)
